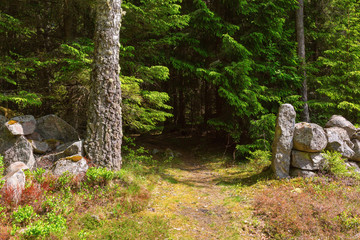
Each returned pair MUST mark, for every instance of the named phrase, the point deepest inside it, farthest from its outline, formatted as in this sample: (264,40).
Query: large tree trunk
(104,128)
(301,53)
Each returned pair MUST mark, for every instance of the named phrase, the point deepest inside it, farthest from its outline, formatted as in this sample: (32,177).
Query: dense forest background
(191,66)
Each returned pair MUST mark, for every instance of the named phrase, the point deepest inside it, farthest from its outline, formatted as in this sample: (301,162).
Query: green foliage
(135,156)
(142,110)
(335,164)
(259,159)
(148,227)
(24,215)
(100,175)
(335,73)
(39,175)
(54,225)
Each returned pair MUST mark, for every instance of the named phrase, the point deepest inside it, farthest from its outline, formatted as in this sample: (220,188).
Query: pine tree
(104,129)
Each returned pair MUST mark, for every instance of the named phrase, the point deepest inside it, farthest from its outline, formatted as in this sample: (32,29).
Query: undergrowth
(85,206)
(318,208)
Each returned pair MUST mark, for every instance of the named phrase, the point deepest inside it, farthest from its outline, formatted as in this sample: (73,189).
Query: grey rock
(64,165)
(64,150)
(44,161)
(6,139)
(283,140)
(53,127)
(34,136)
(353,165)
(15,182)
(3,120)
(19,150)
(16,166)
(341,122)
(21,125)
(295,172)
(71,148)
(307,161)
(356,149)
(309,137)
(339,141)
(39,147)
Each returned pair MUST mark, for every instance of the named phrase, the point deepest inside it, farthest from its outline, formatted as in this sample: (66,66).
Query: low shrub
(335,164)
(259,159)
(100,176)
(23,215)
(54,225)
(310,209)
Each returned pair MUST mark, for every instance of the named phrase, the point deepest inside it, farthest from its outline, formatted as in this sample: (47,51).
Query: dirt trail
(195,203)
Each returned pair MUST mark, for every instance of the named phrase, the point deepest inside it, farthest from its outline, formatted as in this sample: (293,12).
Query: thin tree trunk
(104,128)
(68,20)
(301,53)
(181,117)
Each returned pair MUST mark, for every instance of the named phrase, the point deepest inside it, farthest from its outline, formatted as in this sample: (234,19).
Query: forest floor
(202,197)
(187,189)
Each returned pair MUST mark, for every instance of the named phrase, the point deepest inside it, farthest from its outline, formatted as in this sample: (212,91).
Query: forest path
(202,199)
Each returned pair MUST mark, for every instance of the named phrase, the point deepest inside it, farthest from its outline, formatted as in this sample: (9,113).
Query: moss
(53,143)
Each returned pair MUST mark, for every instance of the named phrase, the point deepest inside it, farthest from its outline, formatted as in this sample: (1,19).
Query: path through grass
(202,199)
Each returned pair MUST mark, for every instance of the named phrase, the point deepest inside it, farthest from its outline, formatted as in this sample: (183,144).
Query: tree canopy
(220,67)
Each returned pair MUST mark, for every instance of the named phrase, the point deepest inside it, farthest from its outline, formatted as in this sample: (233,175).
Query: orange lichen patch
(74,158)
(11,122)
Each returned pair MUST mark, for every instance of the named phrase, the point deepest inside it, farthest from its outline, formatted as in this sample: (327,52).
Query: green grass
(187,199)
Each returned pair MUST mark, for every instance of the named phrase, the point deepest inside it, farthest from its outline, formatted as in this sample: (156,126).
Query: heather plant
(319,208)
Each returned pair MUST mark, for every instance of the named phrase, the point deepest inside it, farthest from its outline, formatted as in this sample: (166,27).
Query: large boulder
(307,161)
(53,127)
(6,139)
(283,140)
(14,167)
(353,166)
(72,165)
(296,172)
(339,141)
(63,151)
(356,149)
(39,147)
(356,135)
(21,125)
(341,122)
(309,137)
(3,120)
(15,149)
(15,184)
(72,148)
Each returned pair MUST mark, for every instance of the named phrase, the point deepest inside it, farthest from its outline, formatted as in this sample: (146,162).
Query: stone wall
(297,148)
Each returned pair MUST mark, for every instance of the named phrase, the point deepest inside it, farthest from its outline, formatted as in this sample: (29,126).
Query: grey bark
(104,128)
(301,53)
